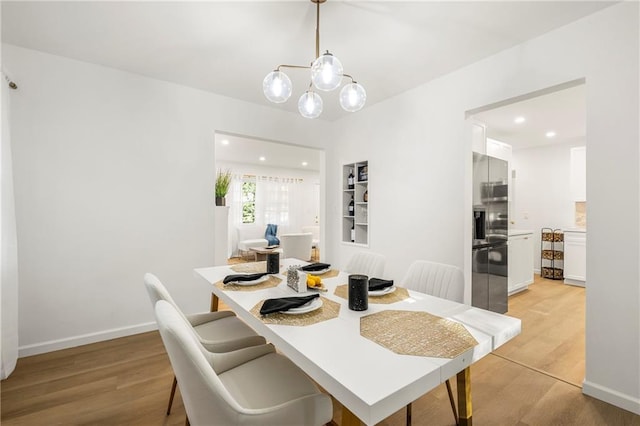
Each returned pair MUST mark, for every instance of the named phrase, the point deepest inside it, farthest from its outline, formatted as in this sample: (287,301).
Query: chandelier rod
(317,29)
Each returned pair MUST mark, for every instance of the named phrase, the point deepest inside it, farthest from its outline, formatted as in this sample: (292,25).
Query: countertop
(582,230)
(516,232)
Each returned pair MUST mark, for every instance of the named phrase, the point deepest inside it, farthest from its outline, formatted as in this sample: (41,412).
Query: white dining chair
(298,246)
(440,280)
(250,386)
(366,263)
(218,331)
(315,237)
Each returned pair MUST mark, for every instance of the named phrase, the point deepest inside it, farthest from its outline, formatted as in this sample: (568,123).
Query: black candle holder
(358,292)
(273,263)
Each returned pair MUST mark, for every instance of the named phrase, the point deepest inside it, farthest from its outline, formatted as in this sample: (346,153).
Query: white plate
(307,307)
(254,282)
(382,292)
(320,272)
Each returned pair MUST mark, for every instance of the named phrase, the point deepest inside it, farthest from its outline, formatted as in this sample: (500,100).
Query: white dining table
(370,381)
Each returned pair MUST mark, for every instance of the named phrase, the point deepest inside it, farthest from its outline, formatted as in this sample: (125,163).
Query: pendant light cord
(317,29)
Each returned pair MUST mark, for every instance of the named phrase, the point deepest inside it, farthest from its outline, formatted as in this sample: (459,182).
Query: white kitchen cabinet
(575,257)
(520,261)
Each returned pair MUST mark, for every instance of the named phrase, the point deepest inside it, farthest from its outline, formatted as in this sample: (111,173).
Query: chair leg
(173,392)
(452,401)
(409,414)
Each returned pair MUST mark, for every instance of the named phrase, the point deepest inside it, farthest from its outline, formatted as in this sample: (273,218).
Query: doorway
(272,182)
(543,137)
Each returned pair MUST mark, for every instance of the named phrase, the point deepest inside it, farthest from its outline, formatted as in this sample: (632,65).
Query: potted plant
(223,180)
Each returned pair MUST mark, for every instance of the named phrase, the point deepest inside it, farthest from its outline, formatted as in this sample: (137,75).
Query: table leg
(464,397)
(348,418)
(214,303)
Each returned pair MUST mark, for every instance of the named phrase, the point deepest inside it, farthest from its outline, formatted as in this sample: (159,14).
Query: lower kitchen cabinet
(575,257)
(520,262)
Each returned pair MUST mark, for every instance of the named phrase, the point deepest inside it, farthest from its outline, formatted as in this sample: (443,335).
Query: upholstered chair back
(366,263)
(298,246)
(436,279)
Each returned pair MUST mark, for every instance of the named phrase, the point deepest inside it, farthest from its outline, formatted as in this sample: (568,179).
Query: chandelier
(326,75)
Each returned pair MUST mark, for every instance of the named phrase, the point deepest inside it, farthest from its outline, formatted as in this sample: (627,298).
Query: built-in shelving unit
(355,203)
(552,254)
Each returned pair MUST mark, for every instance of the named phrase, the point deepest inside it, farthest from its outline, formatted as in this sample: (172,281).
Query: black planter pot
(220,201)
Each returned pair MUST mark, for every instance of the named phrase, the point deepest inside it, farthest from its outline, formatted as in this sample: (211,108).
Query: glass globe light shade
(326,72)
(310,105)
(277,87)
(352,97)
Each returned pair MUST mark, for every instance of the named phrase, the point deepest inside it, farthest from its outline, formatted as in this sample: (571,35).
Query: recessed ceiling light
(224,141)
(519,120)
(304,163)
(262,159)
(550,134)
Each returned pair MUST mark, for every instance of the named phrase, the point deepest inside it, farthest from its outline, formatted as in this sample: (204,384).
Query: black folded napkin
(315,267)
(376,284)
(243,277)
(285,303)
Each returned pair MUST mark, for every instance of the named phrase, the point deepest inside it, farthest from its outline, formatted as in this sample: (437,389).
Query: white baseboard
(571,281)
(536,271)
(84,339)
(611,396)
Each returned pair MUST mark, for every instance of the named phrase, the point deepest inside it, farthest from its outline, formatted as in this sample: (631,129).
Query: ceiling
(230,148)
(563,112)
(229,47)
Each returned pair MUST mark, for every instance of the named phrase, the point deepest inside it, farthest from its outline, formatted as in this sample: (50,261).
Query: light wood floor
(126,381)
(553,329)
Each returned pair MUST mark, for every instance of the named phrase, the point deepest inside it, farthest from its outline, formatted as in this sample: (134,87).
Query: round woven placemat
(327,311)
(417,333)
(252,267)
(273,281)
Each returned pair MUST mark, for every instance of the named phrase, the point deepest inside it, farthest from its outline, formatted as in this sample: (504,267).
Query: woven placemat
(329,274)
(273,281)
(327,311)
(417,333)
(252,267)
(399,295)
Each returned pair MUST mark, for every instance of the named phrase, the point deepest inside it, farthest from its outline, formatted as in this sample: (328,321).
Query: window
(248,199)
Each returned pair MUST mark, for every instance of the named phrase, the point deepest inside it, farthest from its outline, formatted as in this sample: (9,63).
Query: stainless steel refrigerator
(490,233)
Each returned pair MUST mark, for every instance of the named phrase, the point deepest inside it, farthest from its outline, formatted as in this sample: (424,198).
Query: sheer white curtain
(279,200)
(234,201)
(9,283)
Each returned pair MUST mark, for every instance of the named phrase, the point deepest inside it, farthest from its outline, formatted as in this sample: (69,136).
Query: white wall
(419,153)
(542,191)
(114,177)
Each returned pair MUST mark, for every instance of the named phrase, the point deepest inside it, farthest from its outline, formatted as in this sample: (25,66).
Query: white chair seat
(226,333)
(251,386)
(217,331)
(272,370)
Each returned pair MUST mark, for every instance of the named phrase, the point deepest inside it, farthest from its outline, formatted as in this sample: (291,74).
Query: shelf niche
(358,191)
